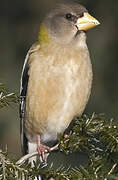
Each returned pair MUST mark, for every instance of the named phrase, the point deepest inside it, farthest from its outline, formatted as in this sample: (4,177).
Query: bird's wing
(23,94)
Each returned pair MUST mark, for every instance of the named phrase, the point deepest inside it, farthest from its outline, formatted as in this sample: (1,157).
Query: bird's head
(65,22)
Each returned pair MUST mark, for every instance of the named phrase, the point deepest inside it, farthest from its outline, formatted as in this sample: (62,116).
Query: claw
(42,149)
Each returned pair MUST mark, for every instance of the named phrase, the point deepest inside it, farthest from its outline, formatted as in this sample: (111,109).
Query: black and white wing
(23,93)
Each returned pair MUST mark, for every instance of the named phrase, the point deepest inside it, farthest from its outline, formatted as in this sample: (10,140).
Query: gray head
(67,20)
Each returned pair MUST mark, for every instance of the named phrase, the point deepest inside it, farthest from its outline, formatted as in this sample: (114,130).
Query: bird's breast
(58,89)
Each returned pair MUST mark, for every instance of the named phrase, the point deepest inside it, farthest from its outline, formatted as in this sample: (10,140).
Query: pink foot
(66,135)
(42,149)
(66,138)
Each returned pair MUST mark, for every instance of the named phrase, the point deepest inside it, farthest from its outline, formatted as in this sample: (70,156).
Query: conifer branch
(6,98)
(97,134)
(30,155)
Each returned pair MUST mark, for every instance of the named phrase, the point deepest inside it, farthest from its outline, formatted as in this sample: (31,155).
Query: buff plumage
(56,78)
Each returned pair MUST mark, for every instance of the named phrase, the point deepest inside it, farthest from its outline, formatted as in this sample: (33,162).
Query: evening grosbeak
(56,77)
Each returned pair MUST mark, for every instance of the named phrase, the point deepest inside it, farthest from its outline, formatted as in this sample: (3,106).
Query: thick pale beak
(86,22)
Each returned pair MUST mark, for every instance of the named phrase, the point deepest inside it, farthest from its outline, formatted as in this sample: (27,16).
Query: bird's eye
(68,16)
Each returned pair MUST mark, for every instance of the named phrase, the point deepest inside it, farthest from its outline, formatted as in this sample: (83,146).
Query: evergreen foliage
(97,134)
(6,98)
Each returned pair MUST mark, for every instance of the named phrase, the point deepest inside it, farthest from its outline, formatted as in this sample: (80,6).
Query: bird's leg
(66,135)
(42,149)
(66,138)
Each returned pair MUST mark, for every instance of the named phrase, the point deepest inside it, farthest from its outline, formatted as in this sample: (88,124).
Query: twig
(30,155)
(112,169)
(114,138)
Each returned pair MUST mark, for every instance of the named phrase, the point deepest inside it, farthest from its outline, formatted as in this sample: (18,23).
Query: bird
(56,78)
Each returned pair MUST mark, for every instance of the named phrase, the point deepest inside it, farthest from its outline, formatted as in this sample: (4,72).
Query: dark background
(19,25)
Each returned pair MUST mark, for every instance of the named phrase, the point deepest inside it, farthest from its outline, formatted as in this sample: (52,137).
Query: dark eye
(68,16)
